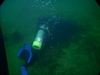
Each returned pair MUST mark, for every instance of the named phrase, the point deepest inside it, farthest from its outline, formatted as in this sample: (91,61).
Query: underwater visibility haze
(71,42)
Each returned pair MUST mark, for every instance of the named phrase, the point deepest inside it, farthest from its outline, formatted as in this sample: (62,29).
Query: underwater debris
(16,36)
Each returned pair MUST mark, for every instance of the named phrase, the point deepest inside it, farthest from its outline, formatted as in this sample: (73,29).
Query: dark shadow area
(60,30)
(1,1)
(99,74)
(3,59)
(98,2)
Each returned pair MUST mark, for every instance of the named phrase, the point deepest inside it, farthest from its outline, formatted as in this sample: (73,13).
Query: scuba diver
(49,31)
(44,33)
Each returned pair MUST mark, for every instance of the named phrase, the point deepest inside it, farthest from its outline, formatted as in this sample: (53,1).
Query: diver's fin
(23,70)
(25,53)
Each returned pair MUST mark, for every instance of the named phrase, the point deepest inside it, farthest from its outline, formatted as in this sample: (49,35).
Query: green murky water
(80,56)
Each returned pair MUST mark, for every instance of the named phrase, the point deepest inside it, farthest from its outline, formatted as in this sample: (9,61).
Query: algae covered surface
(76,50)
